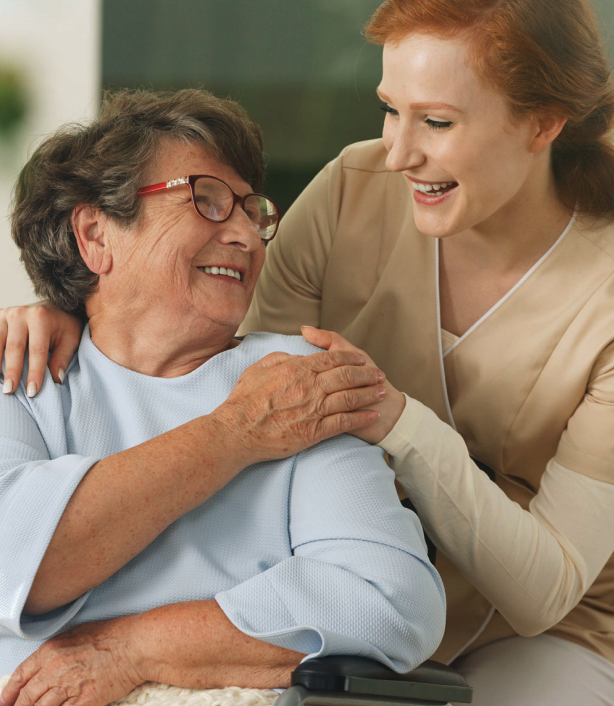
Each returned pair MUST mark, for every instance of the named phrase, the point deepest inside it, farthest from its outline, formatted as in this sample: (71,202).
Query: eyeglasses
(214,201)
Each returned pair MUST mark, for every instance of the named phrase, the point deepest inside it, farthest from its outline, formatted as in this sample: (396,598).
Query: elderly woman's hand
(392,404)
(39,326)
(285,403)
(90,665)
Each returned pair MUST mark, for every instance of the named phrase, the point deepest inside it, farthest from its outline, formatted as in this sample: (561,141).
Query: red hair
(544,56)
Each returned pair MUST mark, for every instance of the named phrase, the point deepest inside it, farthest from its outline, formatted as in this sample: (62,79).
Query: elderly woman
(165,514)
(470,252)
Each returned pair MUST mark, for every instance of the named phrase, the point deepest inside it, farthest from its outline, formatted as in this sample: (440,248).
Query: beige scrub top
(529,391)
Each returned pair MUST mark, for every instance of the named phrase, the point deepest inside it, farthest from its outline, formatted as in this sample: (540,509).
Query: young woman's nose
(405,152)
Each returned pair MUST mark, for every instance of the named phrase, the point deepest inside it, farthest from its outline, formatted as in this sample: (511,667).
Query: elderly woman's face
(162,259)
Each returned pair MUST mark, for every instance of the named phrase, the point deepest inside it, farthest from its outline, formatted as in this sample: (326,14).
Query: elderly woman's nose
(239,229)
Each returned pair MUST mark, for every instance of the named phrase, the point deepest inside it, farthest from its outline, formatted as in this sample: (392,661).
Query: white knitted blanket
(150,694)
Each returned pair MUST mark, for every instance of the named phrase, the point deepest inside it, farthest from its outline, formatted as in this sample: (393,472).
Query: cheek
(388,133)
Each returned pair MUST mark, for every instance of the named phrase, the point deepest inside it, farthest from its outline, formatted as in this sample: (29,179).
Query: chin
(436,227)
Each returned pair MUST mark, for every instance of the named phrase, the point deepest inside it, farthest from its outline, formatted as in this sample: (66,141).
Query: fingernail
(7,388)
(307,326)
(373,416)
(382,392)
(31,390)
(381,377)
(61,375)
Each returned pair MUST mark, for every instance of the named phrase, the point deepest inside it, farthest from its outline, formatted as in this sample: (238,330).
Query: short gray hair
(103,164)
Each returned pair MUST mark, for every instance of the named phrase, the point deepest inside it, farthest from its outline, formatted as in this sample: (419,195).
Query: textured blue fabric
(313,552)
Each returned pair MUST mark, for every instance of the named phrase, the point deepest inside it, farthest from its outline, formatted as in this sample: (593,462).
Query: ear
(547,128)
(89,226)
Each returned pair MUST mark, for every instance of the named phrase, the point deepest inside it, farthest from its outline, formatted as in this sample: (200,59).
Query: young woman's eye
(387,109)
(437,124)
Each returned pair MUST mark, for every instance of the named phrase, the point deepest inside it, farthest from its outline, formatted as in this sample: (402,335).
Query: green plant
(13,100)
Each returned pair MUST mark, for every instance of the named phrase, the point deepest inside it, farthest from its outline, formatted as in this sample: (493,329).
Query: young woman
(470,253)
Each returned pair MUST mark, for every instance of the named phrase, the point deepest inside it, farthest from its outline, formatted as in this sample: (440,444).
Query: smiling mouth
(435,189)
(226,271)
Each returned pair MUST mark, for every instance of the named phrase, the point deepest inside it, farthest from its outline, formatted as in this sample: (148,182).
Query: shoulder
(367,156)
(257,345)
(600,233)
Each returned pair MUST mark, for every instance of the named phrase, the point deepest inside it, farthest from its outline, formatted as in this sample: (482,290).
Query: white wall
(57,45)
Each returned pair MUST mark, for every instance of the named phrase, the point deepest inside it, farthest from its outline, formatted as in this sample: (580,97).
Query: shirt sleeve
(359,581)
(34,491)
(534,566)
(289,289)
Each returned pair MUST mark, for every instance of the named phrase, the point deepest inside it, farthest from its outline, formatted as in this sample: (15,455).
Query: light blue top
(313,553)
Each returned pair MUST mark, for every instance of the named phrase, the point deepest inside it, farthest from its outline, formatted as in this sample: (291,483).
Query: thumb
(328,340)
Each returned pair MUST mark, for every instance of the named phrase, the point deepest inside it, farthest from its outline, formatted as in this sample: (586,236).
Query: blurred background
(300,68)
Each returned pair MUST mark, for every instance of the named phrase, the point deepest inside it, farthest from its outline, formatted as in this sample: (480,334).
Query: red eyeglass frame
(190,180)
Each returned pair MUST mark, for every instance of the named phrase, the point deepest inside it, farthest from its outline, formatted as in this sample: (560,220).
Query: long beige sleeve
(534,566)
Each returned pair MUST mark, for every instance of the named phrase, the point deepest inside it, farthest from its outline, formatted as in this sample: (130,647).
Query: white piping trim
(440,345)
(505,297)
(481,629)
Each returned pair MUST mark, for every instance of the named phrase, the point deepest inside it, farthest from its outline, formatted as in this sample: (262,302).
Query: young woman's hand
(41,327)
(390,407)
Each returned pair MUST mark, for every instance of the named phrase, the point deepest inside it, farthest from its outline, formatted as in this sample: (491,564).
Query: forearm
(194,645)
(533,565)
(125,501)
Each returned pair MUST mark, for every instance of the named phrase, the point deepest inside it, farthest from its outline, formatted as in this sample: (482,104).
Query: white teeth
(425,188)
(222,271)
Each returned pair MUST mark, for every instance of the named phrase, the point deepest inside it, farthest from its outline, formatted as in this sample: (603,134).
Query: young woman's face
(451,135)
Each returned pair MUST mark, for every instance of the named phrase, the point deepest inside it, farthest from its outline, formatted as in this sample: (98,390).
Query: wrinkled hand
(390,407)
(90,665)
(285,403)
(41,327)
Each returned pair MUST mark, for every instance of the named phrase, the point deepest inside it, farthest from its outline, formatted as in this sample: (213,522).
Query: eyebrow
(423,106)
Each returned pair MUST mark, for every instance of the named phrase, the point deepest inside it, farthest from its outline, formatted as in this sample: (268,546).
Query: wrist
(129,643)
(230,434)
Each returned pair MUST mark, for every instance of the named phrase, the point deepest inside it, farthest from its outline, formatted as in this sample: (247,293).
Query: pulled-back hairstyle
(103,164)
(544,56)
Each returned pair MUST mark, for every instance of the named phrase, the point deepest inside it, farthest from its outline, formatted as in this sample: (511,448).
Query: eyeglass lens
(214,200)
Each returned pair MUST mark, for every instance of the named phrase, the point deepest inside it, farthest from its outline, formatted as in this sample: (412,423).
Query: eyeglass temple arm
(162,185)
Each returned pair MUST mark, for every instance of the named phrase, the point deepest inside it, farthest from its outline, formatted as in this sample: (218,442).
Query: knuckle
(13,313)
(350,399)
(38,351)
(343,422)
(17,675)
(346,374)
(39,314)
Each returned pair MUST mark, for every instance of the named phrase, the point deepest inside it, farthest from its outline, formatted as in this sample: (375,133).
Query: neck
(152,344)
(515,237)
